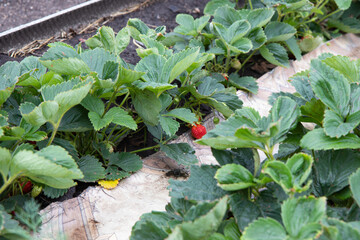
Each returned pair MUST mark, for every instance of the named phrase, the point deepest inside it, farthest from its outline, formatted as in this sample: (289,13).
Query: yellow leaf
(108,184)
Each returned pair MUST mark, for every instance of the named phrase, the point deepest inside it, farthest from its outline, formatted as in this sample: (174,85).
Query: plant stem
(15,145)
(111,133)
(250,4)
(112,98)
(8,182)
(125,98)
(103,132)
(319,3)
(255,192)
(322,4)
(257,161)
(145,149)
(186,80)
(268,152)
(279,14)
(55,128)
(119,134)
(308,21)
(227,62)
(246,60)
(322,19)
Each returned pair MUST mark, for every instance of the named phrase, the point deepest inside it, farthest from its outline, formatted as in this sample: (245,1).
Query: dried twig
(31,47)
(38,44)
(104,20)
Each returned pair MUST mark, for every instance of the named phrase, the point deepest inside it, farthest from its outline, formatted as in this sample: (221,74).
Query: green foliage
(10,228)
(306,191)
(64,114)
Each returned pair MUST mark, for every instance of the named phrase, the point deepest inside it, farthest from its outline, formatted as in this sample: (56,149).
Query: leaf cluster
(307,190)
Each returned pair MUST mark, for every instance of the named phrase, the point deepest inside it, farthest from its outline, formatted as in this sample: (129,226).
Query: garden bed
(155,13)
(110,214)
(87,115)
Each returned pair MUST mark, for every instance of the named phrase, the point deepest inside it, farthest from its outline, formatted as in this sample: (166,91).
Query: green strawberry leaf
(137,27)
(226,16)
(264,228)
(213,5)
(122,118)
(257,37)
(331,87)
(281,174)
(233,177)
(127,161)
(51,192)
(9,73)
(298,213)
(337,126)
(93,104)
(343,4)
(122,40)
(244,83)
(127,76)
(169,125)
(318,140)
(279,31)
(257,17)
(331,173)
(183,114)
(345,66)
(201,185)
(96,59)
(151,226)
(182,153)
(275,54)
(147,105)
(348,25)
(313,111)
(354,180)
(189,26)
(51,166)
(91,168)
(202,227)
(300,167)
(294,48)
(233,33)
(340,230)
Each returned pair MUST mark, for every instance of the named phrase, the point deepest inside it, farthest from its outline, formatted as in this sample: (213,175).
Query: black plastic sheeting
(49,26)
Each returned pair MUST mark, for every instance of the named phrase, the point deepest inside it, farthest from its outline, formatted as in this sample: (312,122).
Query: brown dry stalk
(38,44)
(105,20)
(31,47)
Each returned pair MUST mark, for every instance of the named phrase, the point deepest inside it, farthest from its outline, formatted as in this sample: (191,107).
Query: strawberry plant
(63,115)
(307,190)
(229,37)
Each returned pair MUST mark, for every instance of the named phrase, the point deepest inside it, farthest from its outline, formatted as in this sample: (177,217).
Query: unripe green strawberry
(36,191)
(235,63)
(198,131)
(216,120)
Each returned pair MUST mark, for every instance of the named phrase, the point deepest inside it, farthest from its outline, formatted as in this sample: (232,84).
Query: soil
(14,13)
(157,13)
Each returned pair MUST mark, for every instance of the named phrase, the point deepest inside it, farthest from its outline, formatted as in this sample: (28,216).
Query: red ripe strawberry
(225,76)
(26,187)
(198,131)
